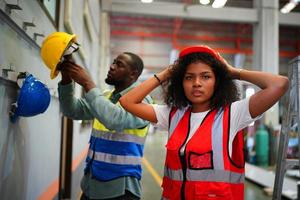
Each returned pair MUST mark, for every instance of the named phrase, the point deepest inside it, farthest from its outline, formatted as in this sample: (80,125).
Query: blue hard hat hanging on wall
(33,98)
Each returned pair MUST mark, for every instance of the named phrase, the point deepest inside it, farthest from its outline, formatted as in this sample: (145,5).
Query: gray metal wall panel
(30,149)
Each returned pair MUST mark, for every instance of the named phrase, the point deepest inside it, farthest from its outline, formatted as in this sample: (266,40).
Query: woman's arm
(132,101)
(272,88)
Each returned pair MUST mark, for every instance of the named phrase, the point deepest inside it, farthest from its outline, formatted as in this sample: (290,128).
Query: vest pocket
(201,161)
(210,191)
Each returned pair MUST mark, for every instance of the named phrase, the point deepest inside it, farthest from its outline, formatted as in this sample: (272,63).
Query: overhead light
(219,3)
(146,1)
(204,2)
(289,6)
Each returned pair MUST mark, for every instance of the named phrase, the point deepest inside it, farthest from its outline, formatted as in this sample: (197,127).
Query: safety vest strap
(206,175)
(175,116)
(121,137)
(115,159)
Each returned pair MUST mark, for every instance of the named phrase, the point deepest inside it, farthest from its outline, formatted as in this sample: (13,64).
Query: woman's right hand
(132,101)
(166,73)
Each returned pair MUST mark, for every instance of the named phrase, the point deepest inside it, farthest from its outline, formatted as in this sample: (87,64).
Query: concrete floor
(153,171)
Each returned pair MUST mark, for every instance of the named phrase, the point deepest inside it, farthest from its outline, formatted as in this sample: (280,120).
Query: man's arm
(72,107)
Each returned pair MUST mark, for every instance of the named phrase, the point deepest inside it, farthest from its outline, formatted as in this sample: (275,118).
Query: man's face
(119,71)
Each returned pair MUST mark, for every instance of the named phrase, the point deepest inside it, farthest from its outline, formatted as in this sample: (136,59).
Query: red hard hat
(200,49)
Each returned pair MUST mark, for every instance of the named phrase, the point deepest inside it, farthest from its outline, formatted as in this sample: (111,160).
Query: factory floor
(153,163)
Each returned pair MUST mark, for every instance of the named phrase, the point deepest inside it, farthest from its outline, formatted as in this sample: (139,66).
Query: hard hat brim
(200,49)
(54,73)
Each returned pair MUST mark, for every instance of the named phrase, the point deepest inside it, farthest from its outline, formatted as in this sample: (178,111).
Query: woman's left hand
(234,73)
(165,74)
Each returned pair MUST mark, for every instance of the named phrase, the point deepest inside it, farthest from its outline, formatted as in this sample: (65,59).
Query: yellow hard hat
(53,49)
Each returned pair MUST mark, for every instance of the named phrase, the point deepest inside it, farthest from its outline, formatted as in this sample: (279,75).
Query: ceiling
(178,30)
(228,37)
(229,3)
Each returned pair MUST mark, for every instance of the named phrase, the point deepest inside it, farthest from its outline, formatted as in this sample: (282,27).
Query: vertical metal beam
(106,5)
(104,47)
(266,46)
(65,169)
(298,190)
(281,163)
(291,122)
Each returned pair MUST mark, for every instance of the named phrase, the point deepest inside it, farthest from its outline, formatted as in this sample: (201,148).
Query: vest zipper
(183,165)
(183,157)
(183,161)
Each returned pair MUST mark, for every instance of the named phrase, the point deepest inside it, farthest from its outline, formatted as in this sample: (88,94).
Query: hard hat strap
(71,49)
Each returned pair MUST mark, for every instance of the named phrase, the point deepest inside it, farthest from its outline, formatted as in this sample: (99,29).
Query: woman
(204,118)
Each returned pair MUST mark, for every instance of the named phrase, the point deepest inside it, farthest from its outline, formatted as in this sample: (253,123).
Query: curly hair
(225,91)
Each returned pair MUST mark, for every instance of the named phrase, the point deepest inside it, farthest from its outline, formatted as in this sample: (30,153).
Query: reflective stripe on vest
(205,175)
(217,141)
(175,120)
(115,159)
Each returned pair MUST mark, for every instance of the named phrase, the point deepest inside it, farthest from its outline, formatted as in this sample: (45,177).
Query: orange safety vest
(205,171)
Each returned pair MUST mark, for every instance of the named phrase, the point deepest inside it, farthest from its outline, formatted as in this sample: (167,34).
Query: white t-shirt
(240,118)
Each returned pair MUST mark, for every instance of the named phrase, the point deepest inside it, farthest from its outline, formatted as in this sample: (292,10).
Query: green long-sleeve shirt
(96,105)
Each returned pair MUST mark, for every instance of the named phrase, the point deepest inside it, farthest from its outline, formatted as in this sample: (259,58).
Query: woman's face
(198,84)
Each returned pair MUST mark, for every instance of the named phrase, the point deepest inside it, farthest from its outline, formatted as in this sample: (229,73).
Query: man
(113,164)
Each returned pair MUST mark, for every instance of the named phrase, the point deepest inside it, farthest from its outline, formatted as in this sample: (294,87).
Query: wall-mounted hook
(27,24)
(9,7)
(20,78)
(9,73)
(6,70)
(35,35)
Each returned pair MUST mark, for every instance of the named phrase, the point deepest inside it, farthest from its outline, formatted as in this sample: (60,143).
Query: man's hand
(78,74)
